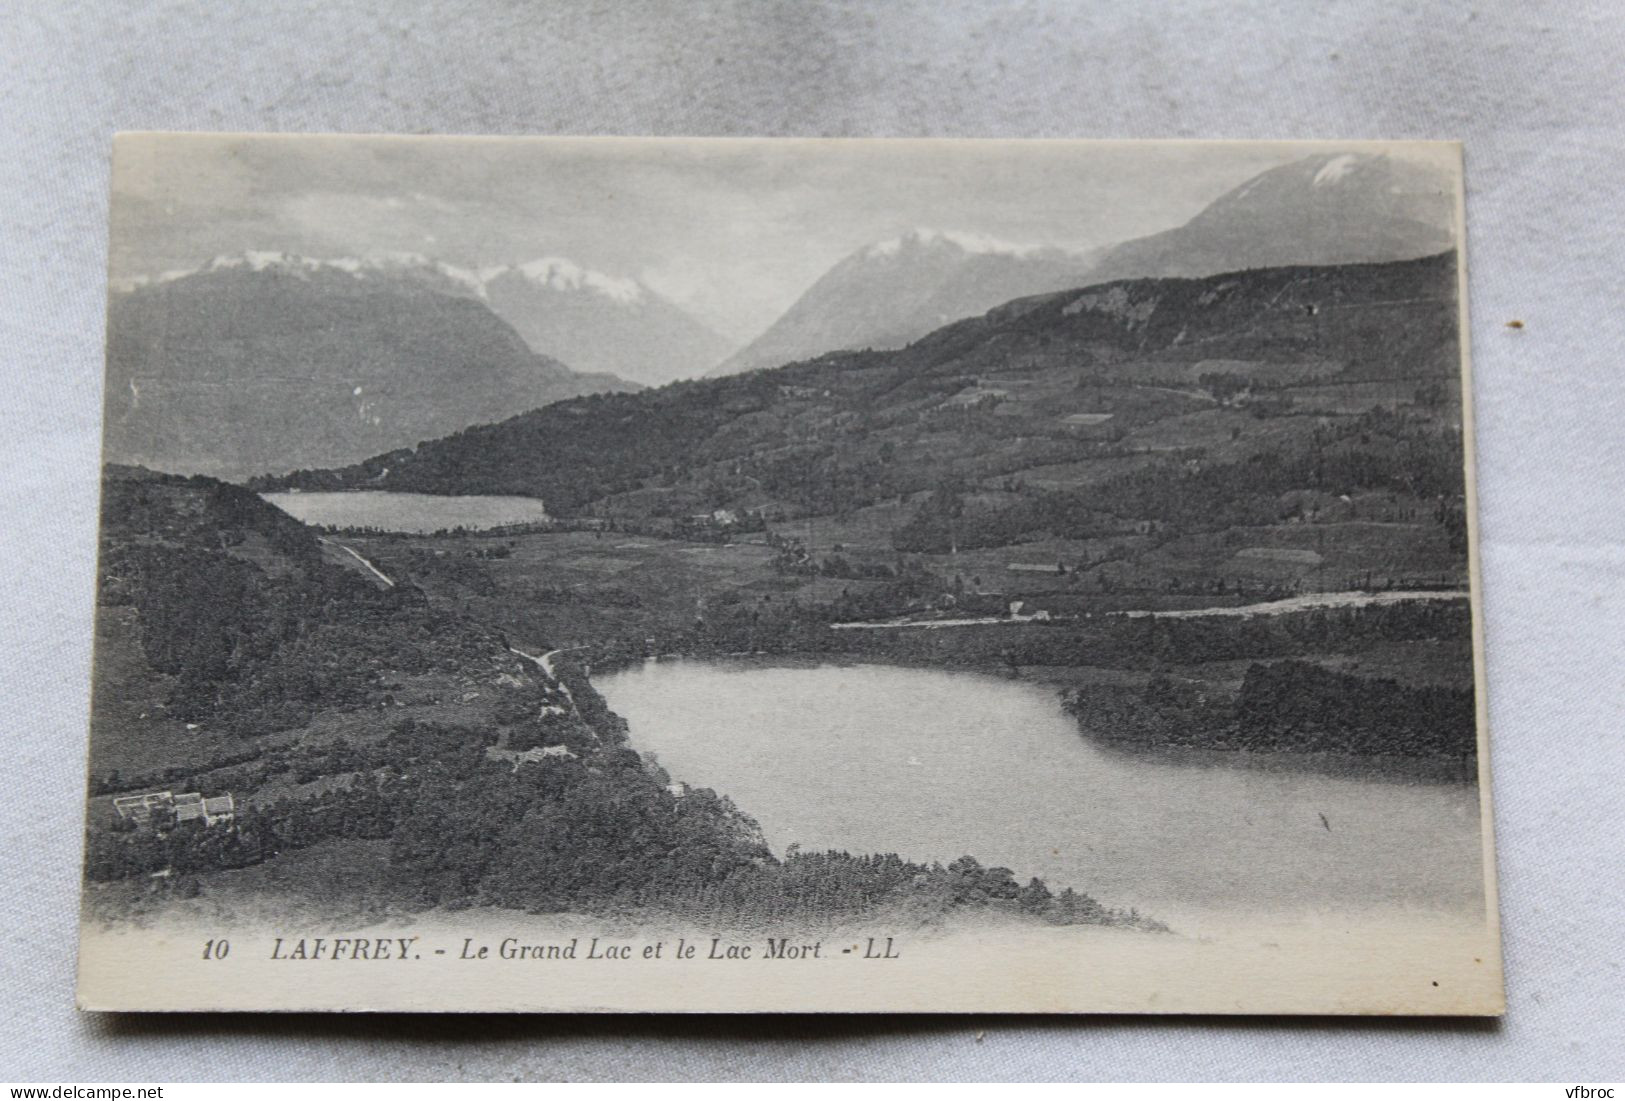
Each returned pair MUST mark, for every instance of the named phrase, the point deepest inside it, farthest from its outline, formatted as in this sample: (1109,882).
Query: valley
(387,753)
(1212,524)
(1270,466)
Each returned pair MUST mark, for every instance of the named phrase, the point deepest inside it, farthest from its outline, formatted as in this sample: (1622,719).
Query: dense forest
(602,832)
(1124,642)
(1285,707)
(236,602)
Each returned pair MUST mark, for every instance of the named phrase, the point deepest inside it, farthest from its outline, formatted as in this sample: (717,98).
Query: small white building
(140,808)
(186,807)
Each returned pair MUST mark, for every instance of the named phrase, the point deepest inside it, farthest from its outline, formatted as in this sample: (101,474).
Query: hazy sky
(734,230)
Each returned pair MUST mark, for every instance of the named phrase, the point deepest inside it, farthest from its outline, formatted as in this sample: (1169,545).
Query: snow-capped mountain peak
(555,272)
(562,273)
(290,263)
(259,260)
(592,320)
(1328,208)
(894,291)
(601,322)
(409,262)
(923,237)
(1334,169)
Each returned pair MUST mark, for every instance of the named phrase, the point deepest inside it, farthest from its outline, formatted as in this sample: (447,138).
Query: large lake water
(934,765)
(407,512)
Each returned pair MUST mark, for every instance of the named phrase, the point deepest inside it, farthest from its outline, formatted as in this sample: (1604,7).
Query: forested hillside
(1142,446)
(1335,379)
(1286,706)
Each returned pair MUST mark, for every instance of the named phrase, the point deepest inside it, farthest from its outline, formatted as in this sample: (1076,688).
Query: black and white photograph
(787,575)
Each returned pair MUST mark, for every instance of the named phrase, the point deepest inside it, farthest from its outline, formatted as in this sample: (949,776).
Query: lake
(407,512)
(934,765)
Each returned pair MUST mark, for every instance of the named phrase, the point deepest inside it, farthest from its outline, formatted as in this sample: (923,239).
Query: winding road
(1272,607)
(353,553)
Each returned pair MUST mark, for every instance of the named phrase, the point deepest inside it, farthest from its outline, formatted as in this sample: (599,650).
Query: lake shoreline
(386,511)
(863,760)
(1422,769)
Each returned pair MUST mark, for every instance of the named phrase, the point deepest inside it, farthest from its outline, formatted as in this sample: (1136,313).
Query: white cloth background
(1533,88)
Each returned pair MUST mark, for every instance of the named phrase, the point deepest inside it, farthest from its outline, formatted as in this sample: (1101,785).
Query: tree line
(1286,707)
(603,834)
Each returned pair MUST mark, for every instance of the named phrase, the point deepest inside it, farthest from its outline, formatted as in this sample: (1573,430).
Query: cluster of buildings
(166,807)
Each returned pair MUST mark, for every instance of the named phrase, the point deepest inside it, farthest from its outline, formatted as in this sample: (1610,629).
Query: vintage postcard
(775,575)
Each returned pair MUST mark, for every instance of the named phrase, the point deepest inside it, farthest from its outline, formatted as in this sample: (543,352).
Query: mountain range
(267,362)
(601,323)
(892,292)
(595,322)
(1037,383)
(1334,208)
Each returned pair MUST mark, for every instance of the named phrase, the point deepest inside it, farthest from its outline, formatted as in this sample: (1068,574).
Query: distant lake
(933,765)
(407,512)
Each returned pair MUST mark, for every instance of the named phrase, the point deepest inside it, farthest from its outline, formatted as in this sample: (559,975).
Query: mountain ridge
(890,292)
(240,369)
(595,322)
(811,436)
(1330,208)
